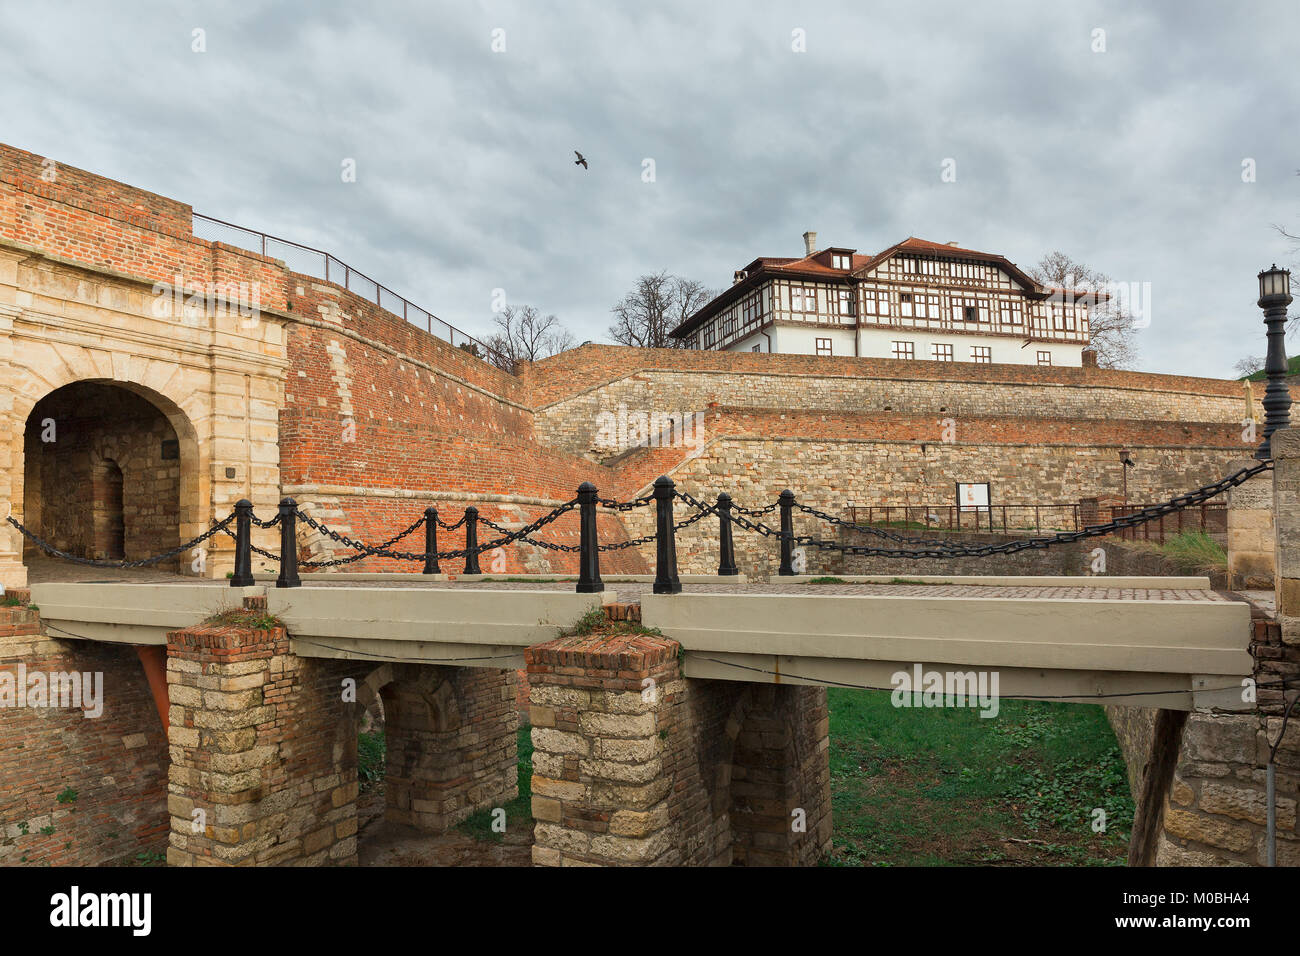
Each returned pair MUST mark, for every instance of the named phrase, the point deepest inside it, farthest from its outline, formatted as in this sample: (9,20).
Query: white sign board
(973,496)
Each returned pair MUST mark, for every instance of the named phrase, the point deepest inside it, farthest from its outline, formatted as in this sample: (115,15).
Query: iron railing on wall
(321,265)
(1209,517)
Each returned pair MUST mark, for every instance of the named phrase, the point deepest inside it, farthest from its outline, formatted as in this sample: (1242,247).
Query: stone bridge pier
(264,747)
(634,764)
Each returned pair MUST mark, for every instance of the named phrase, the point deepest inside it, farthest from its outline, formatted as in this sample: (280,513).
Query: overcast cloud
(1129,160)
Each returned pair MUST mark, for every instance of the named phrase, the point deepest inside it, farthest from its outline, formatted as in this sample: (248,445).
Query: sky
(1157,143)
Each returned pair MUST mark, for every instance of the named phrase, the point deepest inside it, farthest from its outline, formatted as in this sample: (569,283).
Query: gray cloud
(1129,160)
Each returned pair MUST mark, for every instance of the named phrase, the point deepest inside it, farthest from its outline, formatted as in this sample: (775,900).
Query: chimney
(809,243)
(952,242)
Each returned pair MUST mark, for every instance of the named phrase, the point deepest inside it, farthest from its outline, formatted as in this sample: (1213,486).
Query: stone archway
(109,471)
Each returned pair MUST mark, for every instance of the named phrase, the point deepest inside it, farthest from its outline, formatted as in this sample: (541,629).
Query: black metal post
(288,545)
(787,532)
(243,576)
(726,548)
(666,579)
(1277,399)
(589,581)
(471,541)
(431,541)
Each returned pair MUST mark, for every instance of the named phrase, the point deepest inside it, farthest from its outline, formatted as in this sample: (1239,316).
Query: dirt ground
(381,843)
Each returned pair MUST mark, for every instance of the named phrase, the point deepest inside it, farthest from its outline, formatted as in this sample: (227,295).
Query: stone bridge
(696,736)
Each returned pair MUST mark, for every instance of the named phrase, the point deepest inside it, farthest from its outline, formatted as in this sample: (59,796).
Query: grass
(595,622)
(519,811)
(10,601)
(1195,551)
(827,580)
(945,787)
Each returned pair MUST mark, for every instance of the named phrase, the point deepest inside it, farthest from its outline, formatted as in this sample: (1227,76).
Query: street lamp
(1274,297)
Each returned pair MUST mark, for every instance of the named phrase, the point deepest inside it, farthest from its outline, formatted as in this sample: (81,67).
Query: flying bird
(581,160)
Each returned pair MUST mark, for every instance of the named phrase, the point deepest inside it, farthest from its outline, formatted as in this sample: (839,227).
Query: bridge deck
(1176,645)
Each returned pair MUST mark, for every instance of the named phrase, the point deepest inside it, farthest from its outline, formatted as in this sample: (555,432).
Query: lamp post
(1274,297)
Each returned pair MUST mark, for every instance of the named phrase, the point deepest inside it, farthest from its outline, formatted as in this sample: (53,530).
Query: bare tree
(525,335)
(657,304)
(1248,366)
(1112,328)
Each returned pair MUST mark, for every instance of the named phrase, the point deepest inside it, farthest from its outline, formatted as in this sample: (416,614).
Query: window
(875,302)
(968,313)
(983,354)
(756,348)
(844,299)
(905,303)
(1009,312)
(823,346)
(710,334)
(803,298)
(839,261)
(1044,358)
(940,353)
(904,350)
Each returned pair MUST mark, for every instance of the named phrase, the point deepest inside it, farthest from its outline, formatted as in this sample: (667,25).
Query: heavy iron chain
(338,561)
(142,563)
(1151,513)
(632,505)
(442,555)
(447,527)
(549,545)
(254,548)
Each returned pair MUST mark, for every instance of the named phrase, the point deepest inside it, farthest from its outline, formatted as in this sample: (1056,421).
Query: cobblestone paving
(42,571)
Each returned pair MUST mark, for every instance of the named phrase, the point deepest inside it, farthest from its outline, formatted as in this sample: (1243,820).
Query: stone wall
(570,391)
(451,747)
(833,475)
(78,789)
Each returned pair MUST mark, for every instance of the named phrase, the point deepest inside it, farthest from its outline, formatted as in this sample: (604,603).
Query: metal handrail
(321,265)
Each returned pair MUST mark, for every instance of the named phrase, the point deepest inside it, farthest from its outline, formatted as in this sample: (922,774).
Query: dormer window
(840,261)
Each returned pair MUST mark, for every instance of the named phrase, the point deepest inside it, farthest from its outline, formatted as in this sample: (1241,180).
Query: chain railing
(589,549)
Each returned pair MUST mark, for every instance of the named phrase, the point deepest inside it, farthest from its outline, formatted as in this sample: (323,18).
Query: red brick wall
(116,763)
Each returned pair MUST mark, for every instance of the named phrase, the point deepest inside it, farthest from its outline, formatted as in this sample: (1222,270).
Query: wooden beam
(1166,743)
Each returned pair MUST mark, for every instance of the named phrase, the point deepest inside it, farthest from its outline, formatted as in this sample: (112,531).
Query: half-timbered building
(916,300)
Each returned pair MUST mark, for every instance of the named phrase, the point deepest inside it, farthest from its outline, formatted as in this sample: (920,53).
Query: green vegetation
(244,617)
(595,622)
(10,601)
(943,786)
(371,756)
(519,811)
(66,795)
(827,580)
(1195,551)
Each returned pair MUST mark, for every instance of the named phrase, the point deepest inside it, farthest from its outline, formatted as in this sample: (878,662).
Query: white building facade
(917,300)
